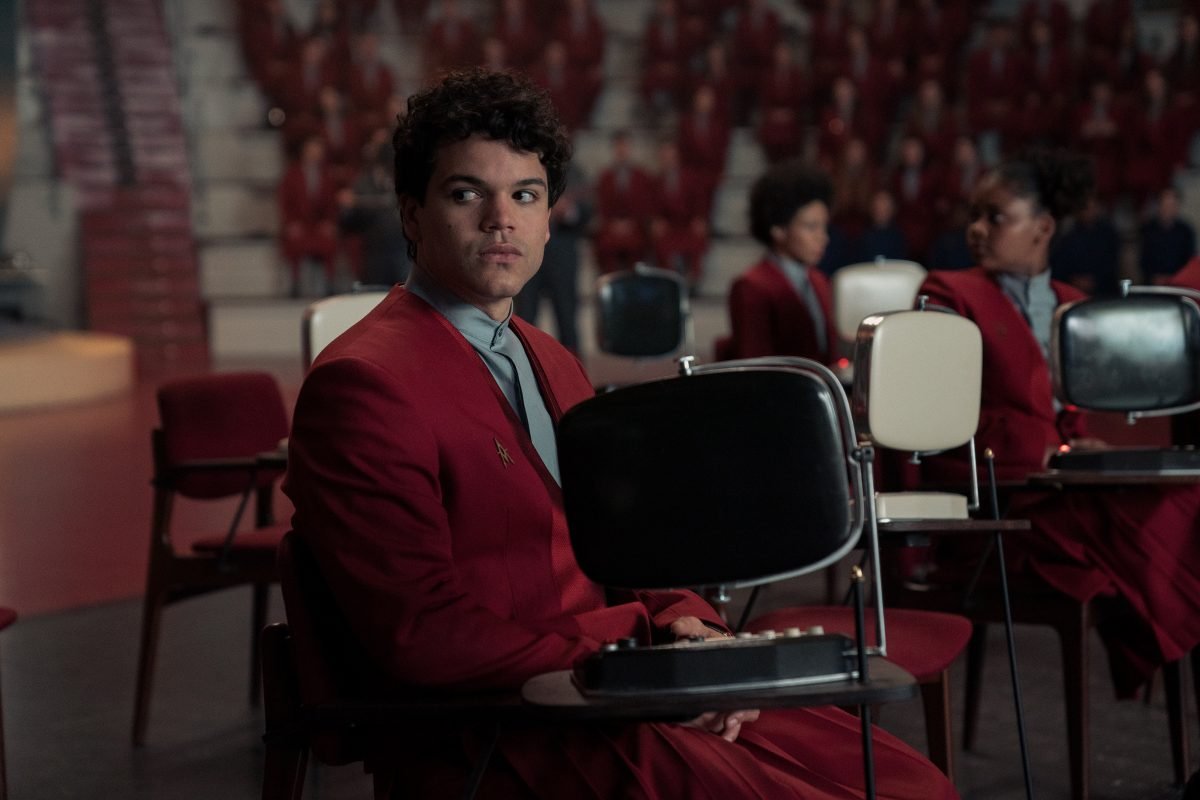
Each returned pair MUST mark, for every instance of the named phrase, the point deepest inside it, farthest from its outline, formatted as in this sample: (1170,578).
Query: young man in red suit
(782,305)
(423,470)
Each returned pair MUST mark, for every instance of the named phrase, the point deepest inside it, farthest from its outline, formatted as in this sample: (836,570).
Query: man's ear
(408,218)
(778,234)
(549,211)
(1046,226)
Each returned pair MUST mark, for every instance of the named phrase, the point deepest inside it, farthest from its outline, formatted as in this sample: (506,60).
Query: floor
(74,516)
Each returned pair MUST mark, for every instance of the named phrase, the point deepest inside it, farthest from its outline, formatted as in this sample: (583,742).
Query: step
(226,105)
(231,209)
(192,19)
(727,259)
(230,154)
(268,328)
(624,17)
(212,57)
(731,207)
(616,108)
(745,159)
(242,268)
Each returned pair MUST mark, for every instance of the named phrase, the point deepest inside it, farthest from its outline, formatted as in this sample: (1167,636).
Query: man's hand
(684,627)
(726,724)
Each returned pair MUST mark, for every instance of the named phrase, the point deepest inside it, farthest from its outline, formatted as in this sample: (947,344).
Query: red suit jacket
(1136,546)
(453,567)
(768,318)
(1016,417)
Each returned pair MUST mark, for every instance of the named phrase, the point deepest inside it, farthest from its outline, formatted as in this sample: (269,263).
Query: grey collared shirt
(1035,299)
(504,356)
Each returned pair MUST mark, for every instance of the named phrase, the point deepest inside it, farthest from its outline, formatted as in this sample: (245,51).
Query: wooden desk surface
(557,694)
(1085,478)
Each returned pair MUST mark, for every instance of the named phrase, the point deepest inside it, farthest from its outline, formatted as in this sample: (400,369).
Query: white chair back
(917,388)
(870,288)
(326,319)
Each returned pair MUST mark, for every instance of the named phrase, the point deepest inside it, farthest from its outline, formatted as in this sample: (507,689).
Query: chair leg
(1073,637)
(1177,718)
(3,764)
(151,617)
(257,623)
(935,696)
(976,652)
(1196,677)
(286,743)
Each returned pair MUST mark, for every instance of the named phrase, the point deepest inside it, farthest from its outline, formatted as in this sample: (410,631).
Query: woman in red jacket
(1136,547)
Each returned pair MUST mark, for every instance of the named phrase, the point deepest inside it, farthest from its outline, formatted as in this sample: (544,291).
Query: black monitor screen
(1137,353)
(716,478)
(641,315)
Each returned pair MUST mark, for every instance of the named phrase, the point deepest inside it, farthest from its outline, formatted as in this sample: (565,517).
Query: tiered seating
(114,110)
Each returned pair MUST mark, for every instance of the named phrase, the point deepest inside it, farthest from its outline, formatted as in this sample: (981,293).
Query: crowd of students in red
(903,108)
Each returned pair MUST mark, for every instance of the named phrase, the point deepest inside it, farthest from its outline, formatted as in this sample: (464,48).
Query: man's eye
(463,195)
(525,196)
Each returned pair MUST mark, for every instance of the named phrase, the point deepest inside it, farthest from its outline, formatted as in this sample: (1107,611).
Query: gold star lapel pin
(502,451)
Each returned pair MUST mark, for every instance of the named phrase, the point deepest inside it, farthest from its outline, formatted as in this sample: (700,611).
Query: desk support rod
(990,458)
(866,457)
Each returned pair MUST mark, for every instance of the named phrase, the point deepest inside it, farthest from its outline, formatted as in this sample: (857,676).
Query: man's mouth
(501,252)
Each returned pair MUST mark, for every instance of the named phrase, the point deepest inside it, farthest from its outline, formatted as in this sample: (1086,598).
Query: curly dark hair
(1058,181)
(781,191)
(500,105)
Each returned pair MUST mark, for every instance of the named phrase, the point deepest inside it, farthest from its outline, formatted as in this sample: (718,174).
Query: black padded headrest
(721,478)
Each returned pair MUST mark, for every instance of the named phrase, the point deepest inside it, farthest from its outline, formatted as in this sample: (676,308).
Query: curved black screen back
(717,478)
(641,315)
(1137,353)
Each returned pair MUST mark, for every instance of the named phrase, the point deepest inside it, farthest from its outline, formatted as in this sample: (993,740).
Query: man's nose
(498,214)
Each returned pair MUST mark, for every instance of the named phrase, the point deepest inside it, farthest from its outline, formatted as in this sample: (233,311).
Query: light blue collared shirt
(504,356)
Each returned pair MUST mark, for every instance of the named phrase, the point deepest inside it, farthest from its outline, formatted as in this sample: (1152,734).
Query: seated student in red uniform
(782,305)
(916,185)
(308,212)
(451,41)
(369,82)
(1135,550)
(624,203)
(679,230)
(423,469)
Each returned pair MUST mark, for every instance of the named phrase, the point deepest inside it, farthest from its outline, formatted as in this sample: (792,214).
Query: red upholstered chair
(323,700)
(213,431)
(7,617)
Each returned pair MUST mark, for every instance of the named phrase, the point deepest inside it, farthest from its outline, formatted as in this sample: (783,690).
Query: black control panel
(768,659)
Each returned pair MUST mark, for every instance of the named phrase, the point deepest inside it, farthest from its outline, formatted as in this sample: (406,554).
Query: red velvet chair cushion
(922,642)
(7,617)
(221,416)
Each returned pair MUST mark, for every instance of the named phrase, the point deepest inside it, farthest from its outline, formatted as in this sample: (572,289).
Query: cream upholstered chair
(860,290)
(916,388)
(326,319)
